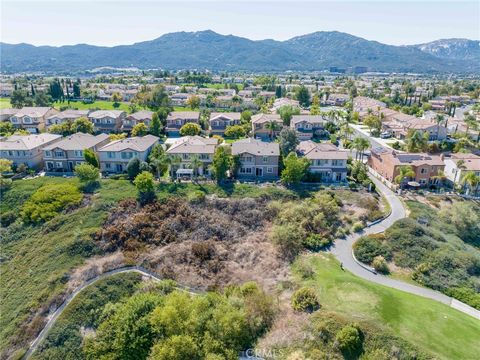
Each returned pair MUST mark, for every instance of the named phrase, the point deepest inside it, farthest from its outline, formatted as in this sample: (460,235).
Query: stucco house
(456,165)
(220,121)
(308,126)
(326,161)
(258,159)
(32,119)
(262,126)
(143,116)
(68,115)
(108,121)
(176,119)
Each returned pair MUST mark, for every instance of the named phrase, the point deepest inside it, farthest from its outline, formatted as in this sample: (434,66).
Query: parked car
(385,135)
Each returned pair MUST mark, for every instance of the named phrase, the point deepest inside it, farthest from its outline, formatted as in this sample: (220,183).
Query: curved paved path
(53,317)
(342,249)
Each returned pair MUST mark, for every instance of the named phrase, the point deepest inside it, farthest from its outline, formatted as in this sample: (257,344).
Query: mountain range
(213,51)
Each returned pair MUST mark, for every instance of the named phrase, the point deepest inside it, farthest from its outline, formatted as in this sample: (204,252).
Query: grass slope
(432,326)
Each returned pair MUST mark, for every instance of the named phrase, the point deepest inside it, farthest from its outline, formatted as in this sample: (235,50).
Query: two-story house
(68,115)
(143,116)
(308,126)
(108,121)
(26,149)
(32,119)
(258,159)
(6,114)
(220,121)
(176,119)
(458,164)
(62,156)
(266,126)
(185,149)
(326,161)
(387,163)
(114,156)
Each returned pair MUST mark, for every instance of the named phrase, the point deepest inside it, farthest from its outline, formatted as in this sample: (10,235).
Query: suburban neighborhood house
(399,124)
(32,119)
(307,126)
(143,116)
(108,121)
(258,159)
(220,121)
(114,156)
(176,119)
(62,156)
(26,149)
(68,115)
(192,156)
(326,160)
(387,164)
(458,164)
(7,113)
(266,126)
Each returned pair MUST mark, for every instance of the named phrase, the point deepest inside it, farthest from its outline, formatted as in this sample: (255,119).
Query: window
(14,119)
(48,153)
(337,162)
(247,158)
(49,165)
(265,159)
(423,171)
(107,165)
(269,170)
(127,155)
(79,162)
(59,154)
(58,165)
(27,120)
(111,155)
(204,156)
(10,152)
(78,153)
(248,170)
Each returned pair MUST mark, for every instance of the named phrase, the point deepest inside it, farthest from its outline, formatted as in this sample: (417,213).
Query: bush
(48,201)
(289,239)
(196,197)
(357,227)
(467,295)
(380,264)
(316,242)
(349,339)
(88,175)
(306,300)
(144,184)
(7,218)
(368,247)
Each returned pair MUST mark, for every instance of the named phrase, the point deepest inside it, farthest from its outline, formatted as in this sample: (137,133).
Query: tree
(220,164)
(177,347)
(84,125)
(195,164)
(6,128)
(235,131)
(133,168)
(145,187)
(305,299)
(42,99)
(439,118)
(193,102)
(63,129)
(76,89)
(246,117)
(56,90)
(116,98)
(303,96)
(88,176)
(159,98)
(91,158)
(295,169)
(20,98)
(273,126)
(405,172)
(417,141)
(315,108)
(286,112)
(114,137)
(288,141)
(140,129)
(472,180)
(159,159)
(373,122)
(5,166)
(349,339)
(380,264)
(155,125)
(360,144)
(190,129)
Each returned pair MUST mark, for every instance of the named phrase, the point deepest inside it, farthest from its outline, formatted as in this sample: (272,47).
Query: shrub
(88,175)
(5,183)
(48,201)
(288,238)
(380,264)
(144,184)
(8,217)
(467,295)
(349,339)
(133,168)
(357,227)
(190,129)
(306,300)
(196,197)
(368,247)
(316,242)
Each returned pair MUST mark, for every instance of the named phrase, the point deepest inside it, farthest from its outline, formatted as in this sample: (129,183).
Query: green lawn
(5,103)
(432,326)
(100,104)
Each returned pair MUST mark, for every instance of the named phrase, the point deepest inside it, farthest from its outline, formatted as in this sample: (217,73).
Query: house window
(337,162)
(59,154)
(248,170)
(265,159)
(423,181)
(14,120)
(49,165)
(111,155)
(58,165)
(79,162)
(10,153)
(204,156)
(27,120)
(127,155)
(423,171)
(269,170)
(107,165)
(78,153)
(48,153)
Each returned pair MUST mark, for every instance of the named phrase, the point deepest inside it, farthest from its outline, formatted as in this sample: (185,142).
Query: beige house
(6,114)
(258,159)
(143,116)
(32,119)
(114,156)
(262,126)
(220,121)
(68,115)
(458,164)
(185,149)
(108,121)
(62,156)
(176,119)
(308,126)
(326,161)
(26,149)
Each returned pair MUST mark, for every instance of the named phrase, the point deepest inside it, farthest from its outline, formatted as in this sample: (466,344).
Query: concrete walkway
(343,251)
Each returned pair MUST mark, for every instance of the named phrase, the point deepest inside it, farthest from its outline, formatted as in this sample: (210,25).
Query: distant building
(262,126)
(326,160)
(68,115)
(458,164)
(176,119)
(108,121)
(308,126)
(220,121)
(143,116)
(32,119)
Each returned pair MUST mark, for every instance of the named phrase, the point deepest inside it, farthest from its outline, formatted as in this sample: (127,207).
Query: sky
(116,22)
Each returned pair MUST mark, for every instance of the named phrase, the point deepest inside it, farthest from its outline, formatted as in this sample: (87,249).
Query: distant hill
(456,49)
(209,50)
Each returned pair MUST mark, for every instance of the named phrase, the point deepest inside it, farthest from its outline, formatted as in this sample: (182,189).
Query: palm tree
(161,164)
(195,164)
(460,166)
(173,162)
(272,125)
(360,144)
(438,119)
(416,141)
(472,180)
(405,172)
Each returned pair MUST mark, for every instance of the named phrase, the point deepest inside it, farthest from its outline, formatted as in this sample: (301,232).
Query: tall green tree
(155,125)
(295,169)
(286,112)
(288,141)
(91,158)
(220,164)
(145,187)
(83,125)
(303,96)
